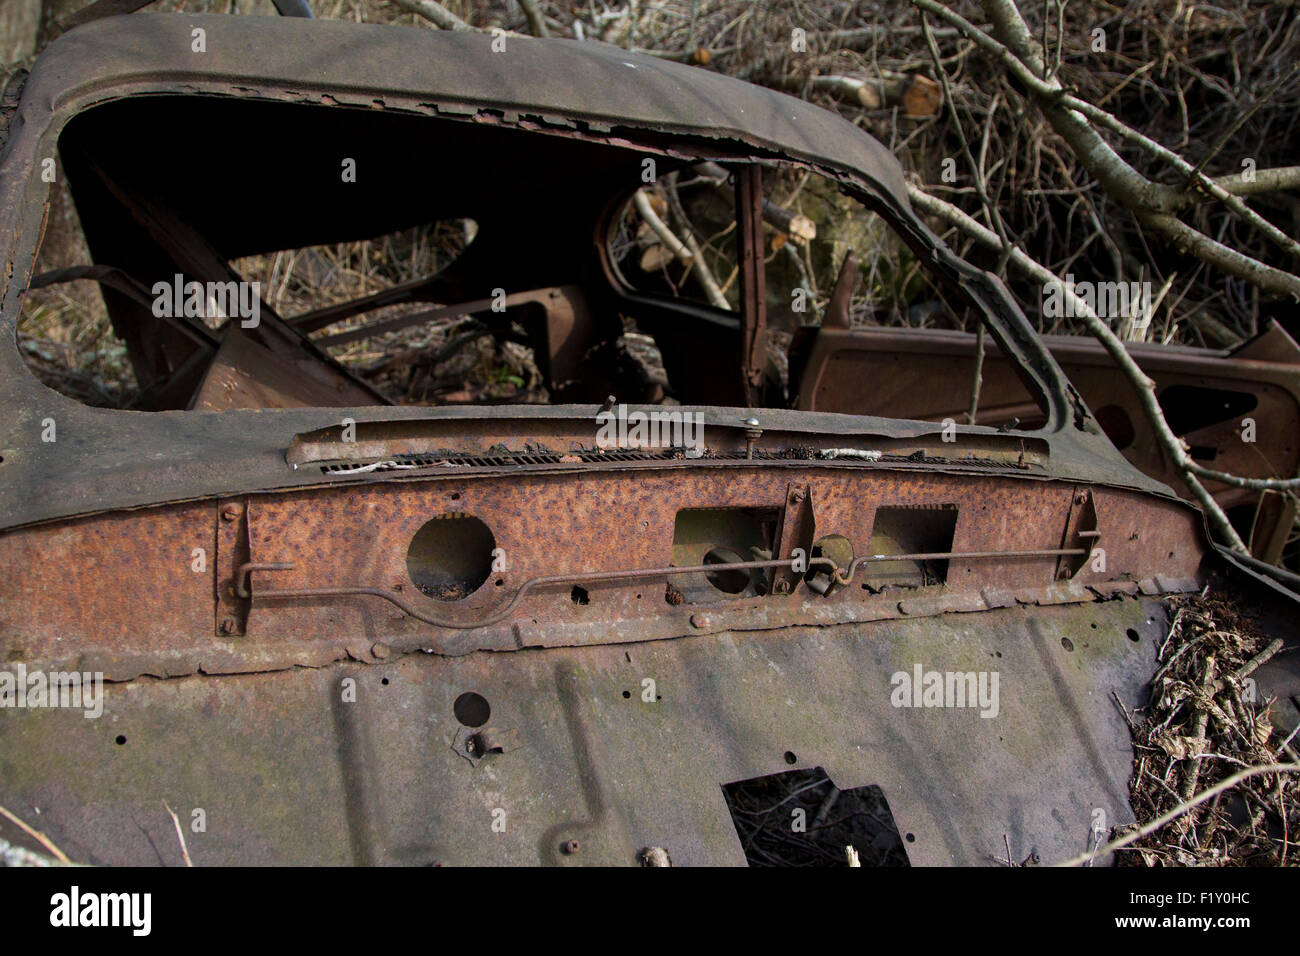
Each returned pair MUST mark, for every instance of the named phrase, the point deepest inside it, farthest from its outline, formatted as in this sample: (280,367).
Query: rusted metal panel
(283,552)
(124,581)
(290,772)
(926,374)
(246,374)
(56,607)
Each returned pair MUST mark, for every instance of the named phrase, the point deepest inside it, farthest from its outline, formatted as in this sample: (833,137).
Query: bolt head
(227,625)
(751,422)
(231,512)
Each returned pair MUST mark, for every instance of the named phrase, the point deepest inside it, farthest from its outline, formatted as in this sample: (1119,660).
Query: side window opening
(846,297)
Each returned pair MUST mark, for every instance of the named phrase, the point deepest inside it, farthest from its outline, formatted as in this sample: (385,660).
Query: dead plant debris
(1205,722)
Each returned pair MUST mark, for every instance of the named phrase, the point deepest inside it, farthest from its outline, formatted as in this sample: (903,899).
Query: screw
(782,587)
(752,435)
(380,650)
(570,847)
(798,494)
(231,512)
(1081,498)
(1063,574)
(227,625)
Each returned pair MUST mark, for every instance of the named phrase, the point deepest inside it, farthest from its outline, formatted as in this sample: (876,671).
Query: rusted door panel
(926,374)
(287,771)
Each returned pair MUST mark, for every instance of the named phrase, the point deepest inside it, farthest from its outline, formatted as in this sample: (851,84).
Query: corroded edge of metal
(740,617)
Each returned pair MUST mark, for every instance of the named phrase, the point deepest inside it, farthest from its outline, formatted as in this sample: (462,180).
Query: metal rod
(843,577)
(241,575)
(846,577)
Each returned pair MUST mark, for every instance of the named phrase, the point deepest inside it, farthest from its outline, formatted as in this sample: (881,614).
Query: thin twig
(36,835)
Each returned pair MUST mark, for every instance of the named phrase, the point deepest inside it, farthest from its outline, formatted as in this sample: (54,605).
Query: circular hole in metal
(790,758)
(1133,635)
(1067,643)
(728,582)
(121,739)
(472,709)
(450,557)
(911,838)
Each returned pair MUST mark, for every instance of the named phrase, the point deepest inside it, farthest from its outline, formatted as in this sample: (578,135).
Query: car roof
(558,81)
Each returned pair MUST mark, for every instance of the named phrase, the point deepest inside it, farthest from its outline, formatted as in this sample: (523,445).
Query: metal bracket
(1080,532)
(797,529)
(233,551)
(753,291)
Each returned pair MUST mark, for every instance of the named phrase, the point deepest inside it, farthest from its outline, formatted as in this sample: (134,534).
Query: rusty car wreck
(356,631)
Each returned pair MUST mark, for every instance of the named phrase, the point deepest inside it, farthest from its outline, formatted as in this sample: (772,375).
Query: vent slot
(527,459)
(910,530)
(721,536)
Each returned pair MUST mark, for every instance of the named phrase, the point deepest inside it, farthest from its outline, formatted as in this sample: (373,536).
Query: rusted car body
(355,632)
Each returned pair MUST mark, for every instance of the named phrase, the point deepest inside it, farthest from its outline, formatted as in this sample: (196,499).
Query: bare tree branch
(1170,444)
(536,22)
(1152,202)
(1263,181)
(434,12)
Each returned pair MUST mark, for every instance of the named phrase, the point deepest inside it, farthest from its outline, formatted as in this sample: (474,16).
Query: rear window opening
(800,818)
